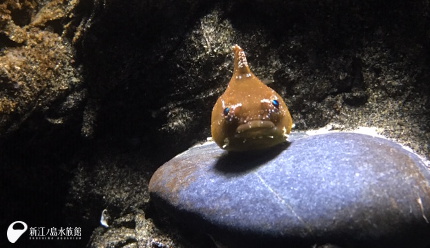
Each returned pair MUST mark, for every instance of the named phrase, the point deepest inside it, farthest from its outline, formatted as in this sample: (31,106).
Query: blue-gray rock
(345,189)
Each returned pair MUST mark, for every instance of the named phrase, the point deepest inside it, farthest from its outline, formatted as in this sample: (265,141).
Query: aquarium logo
(18,228)
(15,231)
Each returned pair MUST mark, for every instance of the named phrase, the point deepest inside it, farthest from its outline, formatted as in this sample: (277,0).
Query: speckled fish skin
(249,115)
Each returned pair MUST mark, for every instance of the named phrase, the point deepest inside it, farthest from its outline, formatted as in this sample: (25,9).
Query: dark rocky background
(95,95)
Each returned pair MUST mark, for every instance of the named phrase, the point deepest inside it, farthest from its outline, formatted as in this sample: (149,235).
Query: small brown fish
(249,115)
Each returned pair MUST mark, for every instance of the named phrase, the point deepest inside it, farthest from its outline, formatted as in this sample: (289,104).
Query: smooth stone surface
(344,189)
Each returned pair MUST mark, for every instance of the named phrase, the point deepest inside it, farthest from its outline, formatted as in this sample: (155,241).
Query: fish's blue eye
(226,111)
(275,103)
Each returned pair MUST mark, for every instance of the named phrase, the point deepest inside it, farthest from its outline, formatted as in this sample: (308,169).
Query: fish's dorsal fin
(241,67)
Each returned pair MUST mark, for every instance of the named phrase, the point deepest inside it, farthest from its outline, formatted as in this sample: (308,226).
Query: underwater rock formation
(344,189)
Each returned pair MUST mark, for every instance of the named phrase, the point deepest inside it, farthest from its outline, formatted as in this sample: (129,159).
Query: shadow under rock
(244,162)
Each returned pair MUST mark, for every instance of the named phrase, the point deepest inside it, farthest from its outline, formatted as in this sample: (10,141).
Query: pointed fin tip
(240,63)
(236,48)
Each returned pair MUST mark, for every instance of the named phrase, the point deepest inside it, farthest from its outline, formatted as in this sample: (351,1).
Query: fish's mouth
(256,129)
(255,135)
